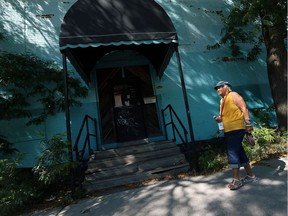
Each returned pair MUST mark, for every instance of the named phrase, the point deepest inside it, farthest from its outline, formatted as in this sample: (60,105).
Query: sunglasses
(218,87)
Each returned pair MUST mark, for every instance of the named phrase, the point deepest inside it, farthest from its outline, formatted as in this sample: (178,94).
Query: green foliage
(19,188)
(27,80)
(249,22)
(6,147)
(49,179)
(211,160)
(264,136)
(253,25)
(7,195)
(27,83)
(53,164)
(16,188)
(263,117)
(268,142)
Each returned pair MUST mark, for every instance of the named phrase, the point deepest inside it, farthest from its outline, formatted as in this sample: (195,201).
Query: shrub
(53,164)
(267,141)
(213,157)
(16,188)
(264,117)
(47,180)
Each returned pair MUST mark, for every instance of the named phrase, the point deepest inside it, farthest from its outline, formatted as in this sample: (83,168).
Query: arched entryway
(93,28)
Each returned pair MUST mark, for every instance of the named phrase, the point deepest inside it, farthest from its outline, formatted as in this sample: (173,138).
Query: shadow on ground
(200,195)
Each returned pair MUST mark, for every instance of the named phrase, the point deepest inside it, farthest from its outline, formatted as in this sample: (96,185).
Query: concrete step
(139,167)
(104,174)
(135,163)
(124,180)
(114,182)
(104,164)
(133,149)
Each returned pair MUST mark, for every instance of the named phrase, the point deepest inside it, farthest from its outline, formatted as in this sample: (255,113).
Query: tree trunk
(277,74)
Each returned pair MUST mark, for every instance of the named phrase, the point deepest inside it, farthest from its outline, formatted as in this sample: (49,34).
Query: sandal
(235,184)
(249,179)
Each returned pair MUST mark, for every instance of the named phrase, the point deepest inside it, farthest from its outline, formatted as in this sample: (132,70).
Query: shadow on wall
(200,78)
(34,28)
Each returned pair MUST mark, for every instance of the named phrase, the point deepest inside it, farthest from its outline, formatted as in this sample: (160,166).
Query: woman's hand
(249,128)
(217,118)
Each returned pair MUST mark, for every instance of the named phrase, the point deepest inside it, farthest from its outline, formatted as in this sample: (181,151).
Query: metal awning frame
(173,47)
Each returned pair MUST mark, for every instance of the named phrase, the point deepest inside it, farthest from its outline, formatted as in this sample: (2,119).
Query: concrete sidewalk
(201,195)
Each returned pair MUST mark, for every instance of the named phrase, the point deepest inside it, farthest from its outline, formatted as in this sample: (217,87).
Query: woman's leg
(236,173)
(249,170)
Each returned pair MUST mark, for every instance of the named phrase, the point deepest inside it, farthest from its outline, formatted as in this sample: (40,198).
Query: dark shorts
(236,155)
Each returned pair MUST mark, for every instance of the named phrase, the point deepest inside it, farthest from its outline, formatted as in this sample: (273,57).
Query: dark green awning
(93,28)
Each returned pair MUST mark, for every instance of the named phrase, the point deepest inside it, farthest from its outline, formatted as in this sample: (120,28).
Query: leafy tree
(28,81)
(257,22)
(6,147)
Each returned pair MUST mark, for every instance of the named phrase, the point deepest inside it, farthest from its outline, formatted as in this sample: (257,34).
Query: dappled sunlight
(229,2)
(268,182)
(207,99)
(12,28)
(197,195)
(34,27)
(130,159)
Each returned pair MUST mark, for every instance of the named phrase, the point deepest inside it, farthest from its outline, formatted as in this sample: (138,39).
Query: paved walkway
(193,196)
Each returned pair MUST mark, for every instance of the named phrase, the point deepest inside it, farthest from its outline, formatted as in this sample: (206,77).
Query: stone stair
(133,163)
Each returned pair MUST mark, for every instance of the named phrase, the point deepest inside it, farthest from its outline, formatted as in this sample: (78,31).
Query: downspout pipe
(192,148)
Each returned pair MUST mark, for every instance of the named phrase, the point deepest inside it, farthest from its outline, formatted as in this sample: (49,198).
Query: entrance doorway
(128,110)
(126,113)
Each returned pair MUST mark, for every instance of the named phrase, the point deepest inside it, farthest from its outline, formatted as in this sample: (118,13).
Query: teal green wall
(35,28)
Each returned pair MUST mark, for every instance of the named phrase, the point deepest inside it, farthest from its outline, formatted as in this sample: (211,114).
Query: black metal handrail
(173,116)
(185,147)
(87,142)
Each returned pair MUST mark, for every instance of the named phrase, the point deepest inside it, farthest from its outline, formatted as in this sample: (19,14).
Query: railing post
(172,123)
(164,123)
(88,133)
(185,95)
(67,112)
(76,149)
(96,134)
(194,163)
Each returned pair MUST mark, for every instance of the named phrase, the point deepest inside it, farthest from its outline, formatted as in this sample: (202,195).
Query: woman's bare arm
(239,101)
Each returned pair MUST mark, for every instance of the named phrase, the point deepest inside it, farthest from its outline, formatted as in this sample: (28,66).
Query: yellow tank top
(232,116)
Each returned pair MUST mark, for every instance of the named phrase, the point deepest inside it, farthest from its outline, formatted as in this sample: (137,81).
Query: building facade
(135,77)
